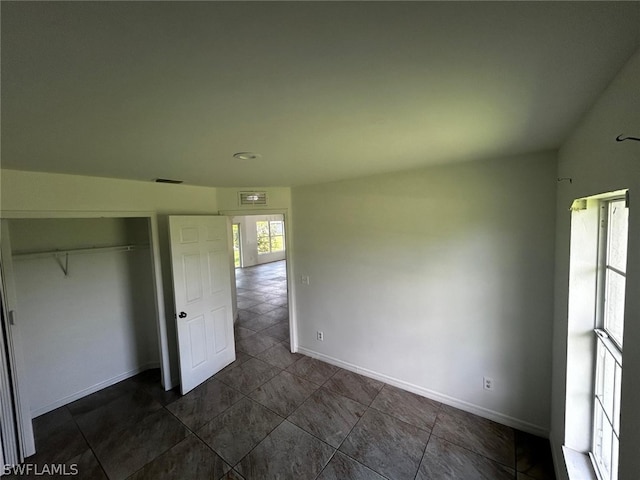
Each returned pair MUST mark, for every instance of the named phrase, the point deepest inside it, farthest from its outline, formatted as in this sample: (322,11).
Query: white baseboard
(433,395)
(92,389)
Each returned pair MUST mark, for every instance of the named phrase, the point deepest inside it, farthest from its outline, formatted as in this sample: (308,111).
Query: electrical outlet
(304,279)
(320,336)
(488,383)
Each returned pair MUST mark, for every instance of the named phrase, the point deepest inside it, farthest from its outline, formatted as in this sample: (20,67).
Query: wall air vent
(168,180)
(252,198)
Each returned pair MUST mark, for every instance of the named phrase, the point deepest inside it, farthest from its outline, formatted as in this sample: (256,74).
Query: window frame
(270,237)
(236,228)
(607,348)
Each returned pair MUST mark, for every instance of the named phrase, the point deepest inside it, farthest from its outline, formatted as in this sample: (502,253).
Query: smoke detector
(247,156)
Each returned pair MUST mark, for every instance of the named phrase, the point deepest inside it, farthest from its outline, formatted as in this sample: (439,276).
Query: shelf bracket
(64,266)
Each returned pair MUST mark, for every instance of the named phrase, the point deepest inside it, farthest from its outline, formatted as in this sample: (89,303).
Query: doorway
(262,325)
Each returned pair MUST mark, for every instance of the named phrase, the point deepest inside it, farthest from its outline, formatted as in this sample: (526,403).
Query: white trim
(92,389)
(433,395)
(579,466)
(558,462)
(17,214)
(17,365)
(253,212)
(163,340)
(10,452)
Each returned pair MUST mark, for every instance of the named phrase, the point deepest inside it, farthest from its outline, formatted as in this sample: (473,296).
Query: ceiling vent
(252,198)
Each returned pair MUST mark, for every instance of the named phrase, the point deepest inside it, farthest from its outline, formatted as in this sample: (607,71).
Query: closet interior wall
(87,318)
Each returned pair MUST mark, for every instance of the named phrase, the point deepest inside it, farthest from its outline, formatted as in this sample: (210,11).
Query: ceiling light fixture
(247,156)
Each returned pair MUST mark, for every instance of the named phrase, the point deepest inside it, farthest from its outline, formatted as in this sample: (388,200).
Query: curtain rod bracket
(622,138)
(65,267)
(564,179)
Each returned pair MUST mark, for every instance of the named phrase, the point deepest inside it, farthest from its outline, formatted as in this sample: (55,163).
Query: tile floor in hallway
(276,415)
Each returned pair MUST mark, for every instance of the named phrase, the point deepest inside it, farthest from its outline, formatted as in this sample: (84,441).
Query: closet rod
(79,251)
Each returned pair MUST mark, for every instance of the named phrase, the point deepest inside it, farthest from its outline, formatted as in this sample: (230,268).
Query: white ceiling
(323,90)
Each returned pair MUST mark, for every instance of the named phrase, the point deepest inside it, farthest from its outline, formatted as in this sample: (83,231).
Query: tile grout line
(73,417)
(424,452)
(269,433)
(164,451)
(286,419)
(337,449)
(100,463)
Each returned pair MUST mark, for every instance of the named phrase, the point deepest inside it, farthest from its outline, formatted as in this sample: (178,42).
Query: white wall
(597,164)
(435,278)
(37,191)
(249,240)
(96,325)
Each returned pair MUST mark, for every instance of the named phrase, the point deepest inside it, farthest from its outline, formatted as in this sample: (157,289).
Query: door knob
(182,315)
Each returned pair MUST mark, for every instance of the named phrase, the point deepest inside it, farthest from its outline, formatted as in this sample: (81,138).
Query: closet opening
(87,303)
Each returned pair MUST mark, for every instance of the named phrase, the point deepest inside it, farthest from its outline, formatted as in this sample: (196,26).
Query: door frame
(24,411)
(293,324)
(239,245)
(12,437)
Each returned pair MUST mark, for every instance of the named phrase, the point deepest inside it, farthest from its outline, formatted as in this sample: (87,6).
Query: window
(270,236)
(609,334)
(236,245)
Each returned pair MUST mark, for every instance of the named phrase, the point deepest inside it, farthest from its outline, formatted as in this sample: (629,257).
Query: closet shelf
(79,251)
(62,256)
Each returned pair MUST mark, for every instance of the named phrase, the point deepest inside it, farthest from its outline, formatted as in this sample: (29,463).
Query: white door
(201,261)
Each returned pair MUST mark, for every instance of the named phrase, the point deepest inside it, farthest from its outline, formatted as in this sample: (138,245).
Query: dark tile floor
(277,415)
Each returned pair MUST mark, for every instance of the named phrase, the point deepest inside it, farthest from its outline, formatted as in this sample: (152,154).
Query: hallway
(262,307)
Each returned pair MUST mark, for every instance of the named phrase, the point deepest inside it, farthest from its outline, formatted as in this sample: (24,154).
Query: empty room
(320,240)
